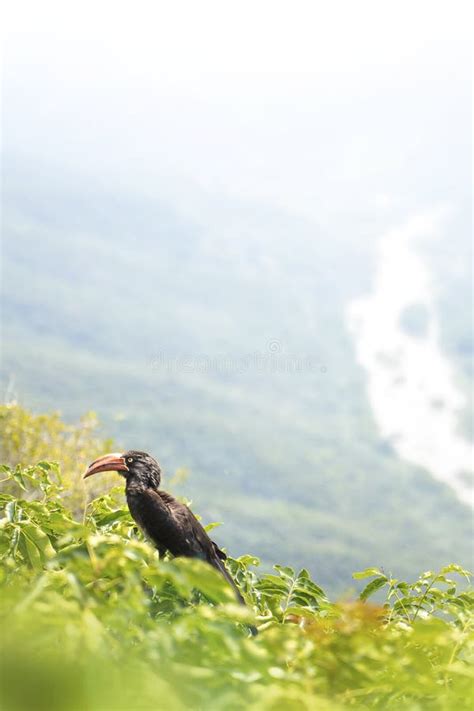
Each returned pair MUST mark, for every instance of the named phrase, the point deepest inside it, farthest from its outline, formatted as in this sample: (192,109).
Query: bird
(168,523)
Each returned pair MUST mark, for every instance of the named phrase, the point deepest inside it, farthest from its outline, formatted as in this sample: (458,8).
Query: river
(412,388)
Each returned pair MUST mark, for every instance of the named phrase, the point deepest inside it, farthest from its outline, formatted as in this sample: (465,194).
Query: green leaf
(247,560)
(32,550)
(17,475)
(274,580)
(13,511)
(35,535)
(453,568)
(373,586)
(113,516)
(211,526)
(285,571)
(367,573)
(300,611)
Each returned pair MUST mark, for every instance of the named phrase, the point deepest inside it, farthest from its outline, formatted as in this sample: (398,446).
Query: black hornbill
(171,525)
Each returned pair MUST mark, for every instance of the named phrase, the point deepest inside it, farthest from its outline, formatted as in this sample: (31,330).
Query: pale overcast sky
(298,103)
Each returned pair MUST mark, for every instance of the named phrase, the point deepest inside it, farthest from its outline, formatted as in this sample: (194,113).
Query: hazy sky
(305,104)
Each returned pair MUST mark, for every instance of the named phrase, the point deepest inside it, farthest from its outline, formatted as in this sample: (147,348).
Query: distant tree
(27,437)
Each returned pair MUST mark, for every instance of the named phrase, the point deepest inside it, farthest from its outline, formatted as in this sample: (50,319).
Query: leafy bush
(92,619)
(26,437)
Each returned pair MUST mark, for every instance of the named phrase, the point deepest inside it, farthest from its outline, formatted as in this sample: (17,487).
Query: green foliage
(431,593)
(92,619)
(26,437)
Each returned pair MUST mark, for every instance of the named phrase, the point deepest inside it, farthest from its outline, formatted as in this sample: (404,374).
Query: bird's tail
(222,569)
(218,563)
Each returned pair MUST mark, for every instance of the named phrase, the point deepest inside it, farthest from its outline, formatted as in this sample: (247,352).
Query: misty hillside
(217,341)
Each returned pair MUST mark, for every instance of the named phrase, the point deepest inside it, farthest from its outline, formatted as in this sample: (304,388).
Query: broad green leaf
(39,539)
(32,550)
(373,586)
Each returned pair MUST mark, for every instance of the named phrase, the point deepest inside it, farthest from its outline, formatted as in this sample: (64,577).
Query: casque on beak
(113,462)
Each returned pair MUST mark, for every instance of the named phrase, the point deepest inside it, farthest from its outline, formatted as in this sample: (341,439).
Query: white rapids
(411,384)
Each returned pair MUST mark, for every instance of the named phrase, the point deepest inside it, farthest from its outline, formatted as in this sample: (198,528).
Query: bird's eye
(130,459)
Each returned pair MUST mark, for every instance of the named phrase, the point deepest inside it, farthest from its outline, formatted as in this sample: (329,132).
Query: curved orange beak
(113,462)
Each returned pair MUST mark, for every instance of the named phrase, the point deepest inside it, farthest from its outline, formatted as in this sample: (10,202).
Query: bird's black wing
(194,541)
(210,551)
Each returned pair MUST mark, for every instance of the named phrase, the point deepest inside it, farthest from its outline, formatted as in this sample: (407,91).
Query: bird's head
(136,467)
